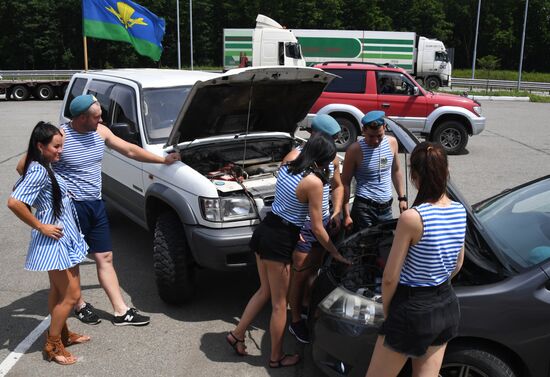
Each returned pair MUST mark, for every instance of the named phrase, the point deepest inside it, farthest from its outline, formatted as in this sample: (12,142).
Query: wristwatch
(402,198)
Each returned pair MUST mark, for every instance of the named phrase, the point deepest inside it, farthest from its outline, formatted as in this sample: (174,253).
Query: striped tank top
(286,204)
(432,260)
(326,190)
(80,163)
(374,173)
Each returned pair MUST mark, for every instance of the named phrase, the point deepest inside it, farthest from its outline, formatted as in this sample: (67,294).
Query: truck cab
(432,63)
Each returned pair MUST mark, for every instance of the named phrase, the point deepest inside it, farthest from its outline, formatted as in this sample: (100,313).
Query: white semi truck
(425,59)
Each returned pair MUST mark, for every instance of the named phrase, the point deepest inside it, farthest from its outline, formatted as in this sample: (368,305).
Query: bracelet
(402,198)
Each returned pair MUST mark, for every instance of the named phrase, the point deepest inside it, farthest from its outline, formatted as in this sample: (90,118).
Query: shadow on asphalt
(220,296)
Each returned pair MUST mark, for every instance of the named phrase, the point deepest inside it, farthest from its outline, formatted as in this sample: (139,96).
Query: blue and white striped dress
(45,253)
(80,163)
(286,204)
(432,260)
(374,173)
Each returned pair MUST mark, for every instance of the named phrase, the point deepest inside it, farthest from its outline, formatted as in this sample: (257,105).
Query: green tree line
(47,34)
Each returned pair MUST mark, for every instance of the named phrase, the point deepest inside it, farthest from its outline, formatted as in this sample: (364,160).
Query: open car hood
(249,100)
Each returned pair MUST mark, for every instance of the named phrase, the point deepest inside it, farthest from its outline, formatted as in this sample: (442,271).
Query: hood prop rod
(248,116)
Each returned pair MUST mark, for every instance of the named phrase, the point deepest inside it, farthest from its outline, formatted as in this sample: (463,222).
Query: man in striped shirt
(374,163)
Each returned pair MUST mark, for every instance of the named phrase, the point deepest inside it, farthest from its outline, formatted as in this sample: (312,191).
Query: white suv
(232,131)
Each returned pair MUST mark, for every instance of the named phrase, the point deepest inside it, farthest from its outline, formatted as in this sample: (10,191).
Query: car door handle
(385,105)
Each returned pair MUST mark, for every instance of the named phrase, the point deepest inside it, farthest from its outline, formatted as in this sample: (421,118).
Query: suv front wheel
(172,261)
(348,135)
(452,136)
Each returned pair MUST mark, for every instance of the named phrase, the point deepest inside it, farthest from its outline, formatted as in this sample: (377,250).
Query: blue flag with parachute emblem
(124,21)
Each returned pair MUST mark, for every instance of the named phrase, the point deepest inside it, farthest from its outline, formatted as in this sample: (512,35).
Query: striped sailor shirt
(432,260)
(373,175)
(80,163)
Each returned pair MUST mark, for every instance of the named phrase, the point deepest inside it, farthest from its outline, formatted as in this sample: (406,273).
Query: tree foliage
(47,34)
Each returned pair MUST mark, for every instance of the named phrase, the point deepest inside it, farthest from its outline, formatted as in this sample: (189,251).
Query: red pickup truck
(362,87)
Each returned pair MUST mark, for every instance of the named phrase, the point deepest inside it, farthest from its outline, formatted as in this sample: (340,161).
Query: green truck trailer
(424,58)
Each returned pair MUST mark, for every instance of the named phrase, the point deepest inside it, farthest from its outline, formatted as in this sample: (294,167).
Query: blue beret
(371,116)
(81,103)
(326,124)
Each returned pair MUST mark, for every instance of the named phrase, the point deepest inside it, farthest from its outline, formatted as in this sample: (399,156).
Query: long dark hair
(317,153)
(43,133)
(430,171)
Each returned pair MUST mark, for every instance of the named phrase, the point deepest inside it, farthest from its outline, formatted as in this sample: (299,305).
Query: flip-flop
(279,363)
(235,344)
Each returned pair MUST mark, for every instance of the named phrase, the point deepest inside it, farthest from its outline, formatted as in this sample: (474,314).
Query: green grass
(502,75)
(512,93)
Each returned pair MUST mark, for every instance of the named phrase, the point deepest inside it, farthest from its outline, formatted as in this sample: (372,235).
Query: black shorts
(420,317)
(275,239)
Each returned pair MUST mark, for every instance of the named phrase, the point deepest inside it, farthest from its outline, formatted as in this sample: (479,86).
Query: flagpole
(85,54)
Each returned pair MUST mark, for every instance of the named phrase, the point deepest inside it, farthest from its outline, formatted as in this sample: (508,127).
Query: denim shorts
(420,317)
(309,239)
(94,224)
(365,215)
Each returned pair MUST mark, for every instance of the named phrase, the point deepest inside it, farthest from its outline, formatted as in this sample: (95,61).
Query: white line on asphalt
(22,347)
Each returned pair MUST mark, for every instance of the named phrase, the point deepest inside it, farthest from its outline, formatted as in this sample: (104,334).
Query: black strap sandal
(279,363)
(234,343)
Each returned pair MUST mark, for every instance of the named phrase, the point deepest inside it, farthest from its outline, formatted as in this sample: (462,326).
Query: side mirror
(416,91)
(125,132)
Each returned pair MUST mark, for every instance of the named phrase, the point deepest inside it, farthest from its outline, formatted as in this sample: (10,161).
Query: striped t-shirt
(286,204)
(432,260)
(80,163)
(374,173)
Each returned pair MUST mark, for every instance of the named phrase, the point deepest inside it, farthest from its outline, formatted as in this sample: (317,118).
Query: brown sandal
(69,338)
(55,351)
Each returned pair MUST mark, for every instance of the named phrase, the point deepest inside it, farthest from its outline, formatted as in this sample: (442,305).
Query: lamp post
(522,44)
(178,31)
(475,43)
(191,29)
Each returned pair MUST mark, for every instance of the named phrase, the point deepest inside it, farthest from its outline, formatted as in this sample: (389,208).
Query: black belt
(276,219)
(374,204)
(437,289)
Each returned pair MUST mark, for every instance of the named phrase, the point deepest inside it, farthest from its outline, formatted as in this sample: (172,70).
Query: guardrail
(500,84)
(51,74)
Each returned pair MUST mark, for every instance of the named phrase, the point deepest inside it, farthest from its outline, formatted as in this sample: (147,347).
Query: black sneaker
(300,331)
(132,317)
(87,314)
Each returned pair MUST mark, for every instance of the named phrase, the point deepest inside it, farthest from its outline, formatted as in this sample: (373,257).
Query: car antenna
(248,116)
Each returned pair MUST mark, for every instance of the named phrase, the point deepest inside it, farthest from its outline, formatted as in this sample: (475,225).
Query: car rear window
(349,81)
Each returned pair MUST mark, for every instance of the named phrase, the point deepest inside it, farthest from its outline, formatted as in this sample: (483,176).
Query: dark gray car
(503,288)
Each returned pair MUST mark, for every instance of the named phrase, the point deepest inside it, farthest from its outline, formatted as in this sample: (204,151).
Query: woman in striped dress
(420,307)
(298,191)
(56,245)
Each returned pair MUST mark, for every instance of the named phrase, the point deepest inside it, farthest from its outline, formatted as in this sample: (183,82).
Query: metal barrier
(49,74)
(500,84)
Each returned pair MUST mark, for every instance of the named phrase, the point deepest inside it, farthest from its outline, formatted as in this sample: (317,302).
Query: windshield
(161,106)
(519,223)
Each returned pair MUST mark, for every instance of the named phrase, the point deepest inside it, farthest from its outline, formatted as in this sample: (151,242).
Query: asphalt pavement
(190,340)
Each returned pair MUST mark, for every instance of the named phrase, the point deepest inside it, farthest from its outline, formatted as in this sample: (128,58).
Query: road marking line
(22,347)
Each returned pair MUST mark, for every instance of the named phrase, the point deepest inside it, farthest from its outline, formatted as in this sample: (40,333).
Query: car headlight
(347,305)
(477,110)
(230,208)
